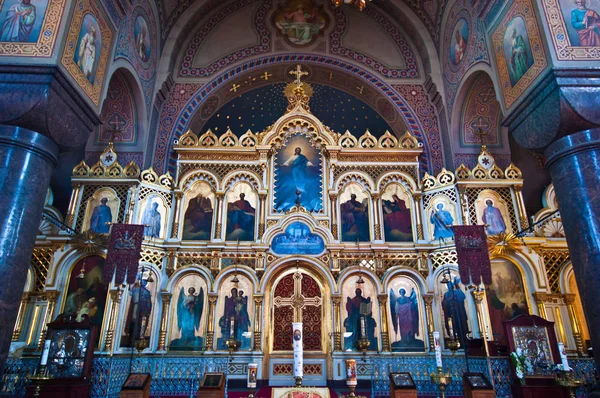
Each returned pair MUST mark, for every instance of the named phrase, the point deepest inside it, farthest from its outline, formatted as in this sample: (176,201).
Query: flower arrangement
(522,363)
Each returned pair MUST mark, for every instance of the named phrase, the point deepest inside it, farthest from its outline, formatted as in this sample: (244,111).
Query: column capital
(166,297)
(569,298)
(50,295)
(115,295)
(212,299)
(42,99)
(540,297)
(428,298)
(383,298)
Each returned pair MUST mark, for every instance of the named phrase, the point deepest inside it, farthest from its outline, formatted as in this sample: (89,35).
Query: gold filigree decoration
(90,242)
(502,244)
(82,170)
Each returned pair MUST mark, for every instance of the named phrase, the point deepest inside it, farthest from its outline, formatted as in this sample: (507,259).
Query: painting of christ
(298,176)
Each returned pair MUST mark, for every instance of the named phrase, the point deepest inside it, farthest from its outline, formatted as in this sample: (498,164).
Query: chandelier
(360,4)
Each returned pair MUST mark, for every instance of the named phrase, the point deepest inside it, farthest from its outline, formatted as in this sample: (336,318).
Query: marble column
(574,165)
(218,226)
(27,160)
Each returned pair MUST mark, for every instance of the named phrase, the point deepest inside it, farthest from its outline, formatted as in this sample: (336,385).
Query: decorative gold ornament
(90,242)
(502,244)
(442,380)
(359,4)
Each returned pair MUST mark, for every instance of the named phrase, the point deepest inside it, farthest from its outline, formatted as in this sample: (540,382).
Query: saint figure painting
(441,220)
(404,310)
(152,219)
(298,179)
(235,320)
(584,29)
(87,52)
(241,217)
(456,323)
(517,51)
(355,219)
(198,217)
(359,322)
(492,218)
(396,214)
(300,21)
(101,217)
(21,21)
(138,322)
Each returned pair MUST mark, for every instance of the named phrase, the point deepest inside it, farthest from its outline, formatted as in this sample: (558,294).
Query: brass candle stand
(251,392)
(442,380)
(363,345)
(232,344)
(298,381)
(352,394)
(452,345)
(567,379)
(41,375)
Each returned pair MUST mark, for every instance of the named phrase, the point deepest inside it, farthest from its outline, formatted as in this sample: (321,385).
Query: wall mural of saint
(405,314)
(235,313)
(241,213)
(517,50)
(87,296)
(300,21)
(138,319)
(397,221)
(359,316)
(298,176)
(102,209)
(198,217)
(153,217)
(89,45)
(21,21)
(506,296)
(354,214)
(188,322)
(454,308)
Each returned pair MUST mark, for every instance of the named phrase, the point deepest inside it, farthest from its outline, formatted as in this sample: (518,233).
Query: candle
(563,356)
(252,370)
(45,353)
(363,329)
(232,327)
(450,330)
(351,372)
(297,344)
(438,349)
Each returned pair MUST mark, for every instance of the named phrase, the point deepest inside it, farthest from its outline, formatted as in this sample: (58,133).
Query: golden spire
(298,92)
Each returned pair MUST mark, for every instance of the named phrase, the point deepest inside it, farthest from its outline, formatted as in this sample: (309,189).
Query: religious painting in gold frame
(360,314)
(235,303)
(197,220)
(188,314)
(406,315)
(140,308)
(397,208)
(242,205)
(354,213)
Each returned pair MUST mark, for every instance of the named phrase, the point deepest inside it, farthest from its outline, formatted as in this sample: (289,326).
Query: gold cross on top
(298,73)
(480,134)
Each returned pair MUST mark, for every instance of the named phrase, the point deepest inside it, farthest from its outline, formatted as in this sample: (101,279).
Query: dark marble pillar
(574,164)
(26,163)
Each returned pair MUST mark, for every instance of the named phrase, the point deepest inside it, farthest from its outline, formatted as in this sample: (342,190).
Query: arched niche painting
(506,296)
(140,308)
(242,203)
(452,296)
(101,210)
(492,211)
(406,315)
(298,175)
(397,221)
(441,212)
(354,214)
(86,290)
(199,205)
(574,289)
(360,315)
(188,314)
(153,216)
(235,311)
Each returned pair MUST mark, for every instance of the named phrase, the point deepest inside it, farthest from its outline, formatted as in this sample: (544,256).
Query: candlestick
(450,329)
(45,353)
(351,372)
(438,349)
(232,327)
(298,358)
(363,328)
(252,370)
(563,356)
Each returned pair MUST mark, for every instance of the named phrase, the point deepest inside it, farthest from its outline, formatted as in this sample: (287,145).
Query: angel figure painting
(300,21)
(404,311)
(188,310)
(235,317)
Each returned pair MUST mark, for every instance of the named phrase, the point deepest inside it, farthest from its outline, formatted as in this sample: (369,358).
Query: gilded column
(263,215)
(171,257)
(376,220)
(417,197)
(115,298)
(478,295)
(132,201)
(218,226)
(385,335)
(521,206)
(428,298)
(164,320)
(177,205)
(337,334)
(70,218)
(464,203)
(258,301)
(21,316)
(540,299)
(575,323)
(210,334)
(51,296)
(334,220)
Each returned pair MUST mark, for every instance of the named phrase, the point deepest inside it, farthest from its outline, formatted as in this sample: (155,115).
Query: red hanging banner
(124,252)
(472,253)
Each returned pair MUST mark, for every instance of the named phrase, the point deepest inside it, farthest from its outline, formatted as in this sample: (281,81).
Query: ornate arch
(238,176)
(355,177)
(192,177)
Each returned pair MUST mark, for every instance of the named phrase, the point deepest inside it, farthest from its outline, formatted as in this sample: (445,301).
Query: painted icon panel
(242,203)
(235,312)
(354,214)
(359,313)
(188,319)
(406,315)
(199,204)
(397,221)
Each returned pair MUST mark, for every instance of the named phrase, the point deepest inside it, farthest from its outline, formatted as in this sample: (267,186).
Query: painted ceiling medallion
(360,4)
